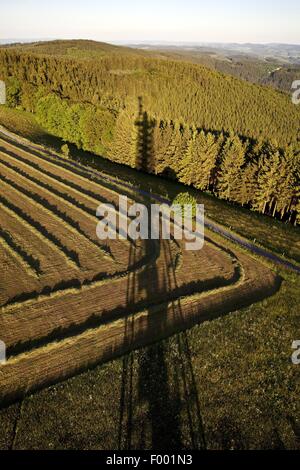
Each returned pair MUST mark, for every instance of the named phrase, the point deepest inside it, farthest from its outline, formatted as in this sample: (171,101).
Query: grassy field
(224,384)
(73,299)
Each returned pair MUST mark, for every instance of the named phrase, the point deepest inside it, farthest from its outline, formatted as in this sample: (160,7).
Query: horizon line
(143,41)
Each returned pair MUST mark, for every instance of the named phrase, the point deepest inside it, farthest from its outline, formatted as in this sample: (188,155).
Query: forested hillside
(263,70)
(74,49)
(220,134)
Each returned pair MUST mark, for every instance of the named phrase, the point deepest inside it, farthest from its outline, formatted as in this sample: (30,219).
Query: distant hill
(246,62)
(277,65)
(283,53)
(79,49)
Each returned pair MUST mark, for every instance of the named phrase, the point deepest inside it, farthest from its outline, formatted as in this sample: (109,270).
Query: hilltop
(73,48)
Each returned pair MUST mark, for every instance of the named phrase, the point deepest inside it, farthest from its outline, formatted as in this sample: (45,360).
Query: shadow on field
(158,384)
(144,160)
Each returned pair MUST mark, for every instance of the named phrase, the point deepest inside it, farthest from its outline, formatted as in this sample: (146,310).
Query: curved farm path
(85,302)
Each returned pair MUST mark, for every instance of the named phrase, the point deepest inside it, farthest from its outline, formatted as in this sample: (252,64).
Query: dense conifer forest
(270,71)
(235,139)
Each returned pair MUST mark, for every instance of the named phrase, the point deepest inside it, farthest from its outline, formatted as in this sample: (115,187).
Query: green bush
(13,92)
(184,199)
(65,150)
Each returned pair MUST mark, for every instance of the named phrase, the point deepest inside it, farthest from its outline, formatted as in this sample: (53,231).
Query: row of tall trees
(253,174)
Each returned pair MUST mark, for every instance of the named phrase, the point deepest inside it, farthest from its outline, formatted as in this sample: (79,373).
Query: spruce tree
(232,161)
(268,183)
(200,160)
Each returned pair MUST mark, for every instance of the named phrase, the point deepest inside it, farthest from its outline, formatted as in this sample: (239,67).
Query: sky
(255,21)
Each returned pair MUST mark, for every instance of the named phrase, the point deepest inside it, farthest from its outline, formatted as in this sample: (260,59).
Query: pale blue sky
(162,20)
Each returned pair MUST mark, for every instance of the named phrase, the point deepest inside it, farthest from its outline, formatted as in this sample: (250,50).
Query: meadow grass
(246,385)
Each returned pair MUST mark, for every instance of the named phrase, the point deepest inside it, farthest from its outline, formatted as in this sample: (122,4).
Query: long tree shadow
(161,387)
(155,392)
(144,160)
(126,397)
(184,365)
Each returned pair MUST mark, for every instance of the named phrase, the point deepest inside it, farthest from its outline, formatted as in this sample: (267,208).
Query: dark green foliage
(200,160)
(13,92)
(86,126)
(232,161)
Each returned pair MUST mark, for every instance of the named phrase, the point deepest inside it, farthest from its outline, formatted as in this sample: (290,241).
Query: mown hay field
(70,301)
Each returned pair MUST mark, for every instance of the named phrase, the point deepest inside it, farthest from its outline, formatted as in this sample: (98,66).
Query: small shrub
(65,150)
(183,199)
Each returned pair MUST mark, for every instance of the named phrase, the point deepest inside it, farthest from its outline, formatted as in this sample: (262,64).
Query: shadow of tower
(144,148)
(150,380)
